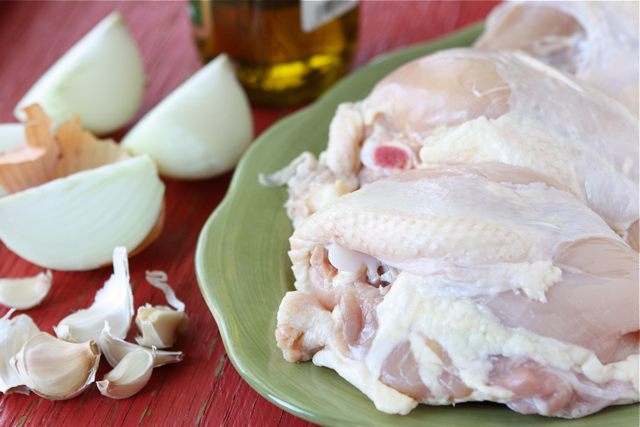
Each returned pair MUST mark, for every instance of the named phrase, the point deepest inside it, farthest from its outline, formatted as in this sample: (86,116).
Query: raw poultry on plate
(463,106)
(447,285)
(471,233)
(596,41)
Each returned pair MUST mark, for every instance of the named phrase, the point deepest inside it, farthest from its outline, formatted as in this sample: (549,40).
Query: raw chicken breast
(466,283)
(597,41)
(464,106)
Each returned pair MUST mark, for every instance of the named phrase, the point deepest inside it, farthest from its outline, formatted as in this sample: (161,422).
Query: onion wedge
(74,223)
(101,78)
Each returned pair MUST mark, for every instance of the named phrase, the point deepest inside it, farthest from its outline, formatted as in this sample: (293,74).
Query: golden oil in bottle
(287,52)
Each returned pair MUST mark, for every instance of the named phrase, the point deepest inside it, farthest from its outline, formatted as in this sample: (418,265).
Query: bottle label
(315,13)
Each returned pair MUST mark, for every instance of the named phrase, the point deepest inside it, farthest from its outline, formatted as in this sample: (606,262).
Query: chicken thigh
(466,283)
(464,106)
(597,41)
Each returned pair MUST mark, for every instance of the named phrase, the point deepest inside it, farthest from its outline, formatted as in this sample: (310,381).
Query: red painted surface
(204,389)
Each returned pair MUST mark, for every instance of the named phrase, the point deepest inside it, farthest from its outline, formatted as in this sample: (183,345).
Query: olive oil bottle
(287,52)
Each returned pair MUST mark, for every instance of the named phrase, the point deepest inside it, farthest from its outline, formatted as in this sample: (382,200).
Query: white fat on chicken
(597,41)
(464,106)
(504,290)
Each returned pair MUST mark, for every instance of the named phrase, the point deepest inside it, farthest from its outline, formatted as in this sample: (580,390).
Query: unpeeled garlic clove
(113,303)
(14,334)
(160,325)
(129,376)
(25,293)
(56,369)
(115,349)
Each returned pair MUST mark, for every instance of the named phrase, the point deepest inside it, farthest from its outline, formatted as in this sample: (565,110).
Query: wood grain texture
(204,389)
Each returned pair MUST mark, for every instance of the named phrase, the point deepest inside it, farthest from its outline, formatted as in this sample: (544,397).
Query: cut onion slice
(74,223)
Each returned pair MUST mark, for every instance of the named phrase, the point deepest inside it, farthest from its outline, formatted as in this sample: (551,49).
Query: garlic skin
(115,349)
(160,325)
(56,369)
(101,78)
(113,303)
(129,376)
(201,129)
(25,293)
(158,279)
(74,223)
(14,334)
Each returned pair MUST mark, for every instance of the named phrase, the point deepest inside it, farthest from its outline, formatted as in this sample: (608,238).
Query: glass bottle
(279,62)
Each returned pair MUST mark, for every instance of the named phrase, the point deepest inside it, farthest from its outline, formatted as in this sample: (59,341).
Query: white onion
(101,78)
(201,129)
(74,223)
(11,136)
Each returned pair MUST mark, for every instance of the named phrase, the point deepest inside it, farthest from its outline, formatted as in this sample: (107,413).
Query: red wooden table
(204,389)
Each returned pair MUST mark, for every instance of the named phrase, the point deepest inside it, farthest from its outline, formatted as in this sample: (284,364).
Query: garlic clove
(158,279)
(129,376)
(101,78)
(201,129)
(31,163)
(56,369)
(14,334)
(25,293)
(114,350)
(113,303)
(160,326)
(80,150)
(74,223)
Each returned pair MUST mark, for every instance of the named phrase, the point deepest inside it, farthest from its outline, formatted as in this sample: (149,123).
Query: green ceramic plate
(244,271)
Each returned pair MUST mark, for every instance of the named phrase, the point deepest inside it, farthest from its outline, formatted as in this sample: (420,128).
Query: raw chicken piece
(597,41)
(466,283)
(464,106)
